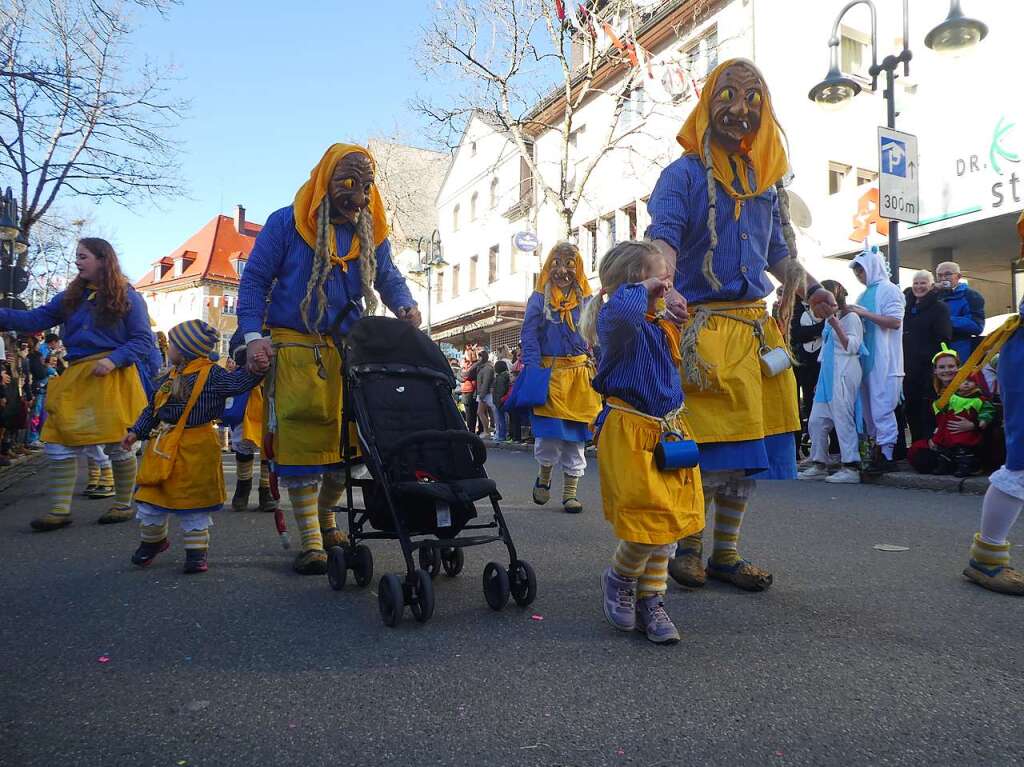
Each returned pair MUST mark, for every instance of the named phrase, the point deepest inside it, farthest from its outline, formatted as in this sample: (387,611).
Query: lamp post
(433,260)
(954,35)
(11,241)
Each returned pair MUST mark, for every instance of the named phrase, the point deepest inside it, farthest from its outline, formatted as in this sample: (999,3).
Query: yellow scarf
(561,301)
(164,392)
(312,193)
(988,349)
(672,336)
(766,154)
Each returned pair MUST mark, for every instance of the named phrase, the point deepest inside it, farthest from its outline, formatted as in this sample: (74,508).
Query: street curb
(20,469)
(905,480)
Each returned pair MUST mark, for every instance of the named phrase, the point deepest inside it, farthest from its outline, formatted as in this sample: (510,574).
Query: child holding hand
(635,323)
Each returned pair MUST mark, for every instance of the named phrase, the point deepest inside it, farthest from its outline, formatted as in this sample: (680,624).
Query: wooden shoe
(267,501)
(572,506)
(240,500)
(333,537)
(741,574)
(116,514)
(102,491)
(687,569)
(312,562)
(541,492)
(50,521)
(1004,580)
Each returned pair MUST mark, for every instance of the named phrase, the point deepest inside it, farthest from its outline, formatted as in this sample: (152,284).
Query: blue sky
(272,84)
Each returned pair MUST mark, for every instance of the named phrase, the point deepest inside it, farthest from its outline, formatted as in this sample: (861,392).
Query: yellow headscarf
(562,302)
(766,153)
(312,193)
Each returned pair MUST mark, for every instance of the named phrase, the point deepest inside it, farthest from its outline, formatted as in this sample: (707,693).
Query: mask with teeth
(736,107)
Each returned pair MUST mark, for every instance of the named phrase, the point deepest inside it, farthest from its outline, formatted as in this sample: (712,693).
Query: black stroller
(426,470)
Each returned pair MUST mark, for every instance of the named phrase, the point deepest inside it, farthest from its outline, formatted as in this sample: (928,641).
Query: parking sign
(898,196)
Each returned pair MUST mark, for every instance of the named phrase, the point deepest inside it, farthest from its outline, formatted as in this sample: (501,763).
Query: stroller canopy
(389,341)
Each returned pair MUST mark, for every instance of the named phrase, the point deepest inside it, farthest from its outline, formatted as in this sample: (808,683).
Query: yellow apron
(252,419)
(739,404)
(643,503)
(196,480)
(83,409)
(571,396)
(306,406)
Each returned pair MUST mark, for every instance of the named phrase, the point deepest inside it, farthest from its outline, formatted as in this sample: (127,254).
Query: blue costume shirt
(279,266)
(747,246)
(541,338)
(636,365)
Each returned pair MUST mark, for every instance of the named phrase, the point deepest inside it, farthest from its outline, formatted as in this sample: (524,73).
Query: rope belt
(695,367)
(667,422)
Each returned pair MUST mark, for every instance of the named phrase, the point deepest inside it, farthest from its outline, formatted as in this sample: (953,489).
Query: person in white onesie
(881,308)
(835,396)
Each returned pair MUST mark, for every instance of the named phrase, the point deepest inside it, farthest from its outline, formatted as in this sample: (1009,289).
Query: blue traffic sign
(894,157)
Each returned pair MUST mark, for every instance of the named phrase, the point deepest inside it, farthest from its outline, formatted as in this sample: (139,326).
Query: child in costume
(550,341)
(649,508)
(108,341)
(835,396)
(244,416)
(955,446)
(101,474)
(181,469)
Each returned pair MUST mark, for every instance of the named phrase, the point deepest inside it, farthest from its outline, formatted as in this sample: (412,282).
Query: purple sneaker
(619,600)
(652,620)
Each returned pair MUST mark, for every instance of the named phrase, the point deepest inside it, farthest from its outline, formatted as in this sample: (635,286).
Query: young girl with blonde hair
(649,508)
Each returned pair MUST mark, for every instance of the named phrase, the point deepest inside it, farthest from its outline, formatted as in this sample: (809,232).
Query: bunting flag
(615,41)
(631,52)
(560,10)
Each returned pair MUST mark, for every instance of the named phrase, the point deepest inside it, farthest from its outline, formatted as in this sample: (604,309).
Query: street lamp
(957,33)
(433,260)
(10,234)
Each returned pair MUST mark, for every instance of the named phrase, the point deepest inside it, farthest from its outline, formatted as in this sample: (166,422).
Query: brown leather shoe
(1004,580)
(50,521)
(742,574)
(312,562)
(116,514)
(687,569)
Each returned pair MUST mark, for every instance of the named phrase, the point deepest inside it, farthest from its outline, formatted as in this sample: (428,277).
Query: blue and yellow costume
(550,340)
(84,410)
(304,387)
(742,419)
(181,470)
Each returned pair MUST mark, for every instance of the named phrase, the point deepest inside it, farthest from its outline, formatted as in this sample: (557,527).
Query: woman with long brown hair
(109,343)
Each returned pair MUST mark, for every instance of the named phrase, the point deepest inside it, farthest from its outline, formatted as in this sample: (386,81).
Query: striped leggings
(646,562)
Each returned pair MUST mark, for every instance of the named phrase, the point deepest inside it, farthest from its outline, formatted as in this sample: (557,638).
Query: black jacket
(800,334)
(926,326)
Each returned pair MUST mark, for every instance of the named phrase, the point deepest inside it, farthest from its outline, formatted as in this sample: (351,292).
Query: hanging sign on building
(527,242)
(898,198)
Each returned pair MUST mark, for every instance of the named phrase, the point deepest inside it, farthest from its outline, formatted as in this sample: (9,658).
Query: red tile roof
(211,251)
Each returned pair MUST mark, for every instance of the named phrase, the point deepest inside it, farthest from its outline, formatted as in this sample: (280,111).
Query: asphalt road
(855,657)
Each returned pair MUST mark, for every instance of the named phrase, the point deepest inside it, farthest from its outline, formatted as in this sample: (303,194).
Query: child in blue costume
(649,508)
(550,339)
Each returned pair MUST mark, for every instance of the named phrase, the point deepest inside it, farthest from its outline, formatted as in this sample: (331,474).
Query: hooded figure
(719,216)
(881,307)
(317,265)
(557,367)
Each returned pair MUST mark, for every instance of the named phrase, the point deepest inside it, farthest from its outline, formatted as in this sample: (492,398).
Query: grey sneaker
(652,620)
(619,600)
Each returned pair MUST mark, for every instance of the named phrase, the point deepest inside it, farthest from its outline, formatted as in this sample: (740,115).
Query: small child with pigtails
(651,501)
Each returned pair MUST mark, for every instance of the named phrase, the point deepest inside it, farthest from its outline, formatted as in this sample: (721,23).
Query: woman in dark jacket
(926,326)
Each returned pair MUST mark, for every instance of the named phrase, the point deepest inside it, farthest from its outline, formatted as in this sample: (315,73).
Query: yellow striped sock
(94,472)
(304,507)
(62,476)
(264,472)
(197,539)
(991,555)
(153,533)
(243,466)
(569,486)
(728,518)
(630,559)
(106,475)
(124,481)
(545,475)
(654,579)
(330,493)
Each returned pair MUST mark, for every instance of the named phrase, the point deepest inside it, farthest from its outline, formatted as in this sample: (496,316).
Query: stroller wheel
(390,599)
(421,600)
(362,565)
(452,561)
(523,582)
(337,570)
(496,586)
(430,560)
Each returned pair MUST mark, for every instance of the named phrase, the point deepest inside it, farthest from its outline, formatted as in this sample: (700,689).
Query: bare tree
(529,72)
(72,121)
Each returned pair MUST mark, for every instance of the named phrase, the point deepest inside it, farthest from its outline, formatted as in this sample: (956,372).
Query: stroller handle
(436,435)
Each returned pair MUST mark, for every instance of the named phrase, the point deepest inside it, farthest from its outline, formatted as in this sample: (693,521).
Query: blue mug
(674,452)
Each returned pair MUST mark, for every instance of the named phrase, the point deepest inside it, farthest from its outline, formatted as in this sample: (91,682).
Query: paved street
(856,657)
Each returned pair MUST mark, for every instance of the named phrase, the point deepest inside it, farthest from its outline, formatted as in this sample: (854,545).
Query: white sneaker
(814,471)
(845,476)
